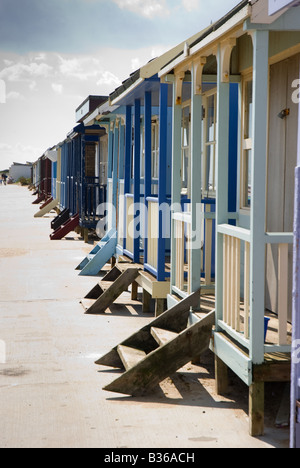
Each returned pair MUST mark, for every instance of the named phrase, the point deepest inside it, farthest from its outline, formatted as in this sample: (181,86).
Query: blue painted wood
(110,153)
(233,147)
(137,178)
(122,153)
(176,177)
(148,164)
(54,179)
(128,153)
(162,195)
(100,255)
(148,145)
(115,171)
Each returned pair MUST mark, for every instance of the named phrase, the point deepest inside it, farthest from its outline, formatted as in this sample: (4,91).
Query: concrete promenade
(50,390)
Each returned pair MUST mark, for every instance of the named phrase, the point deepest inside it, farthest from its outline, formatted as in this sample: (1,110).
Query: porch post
(110,153)
(148,164)
(121,151)
(148,147)
(258,199)
(176,176)
(127,169)
(115,171)
(223,110)
(128,143)
(295,387)
(196,177)
(162,179)
(258,222)
(137,177)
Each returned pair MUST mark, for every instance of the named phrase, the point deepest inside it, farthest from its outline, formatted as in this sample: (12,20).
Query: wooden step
(108,297)
(175,319)
(113,274)
(104,284)
(161,336)
(95,293)
(130,357)
(87,303)
(142,377)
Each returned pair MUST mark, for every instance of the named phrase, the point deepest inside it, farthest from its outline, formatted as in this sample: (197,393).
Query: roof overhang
(148,75)
(233,20)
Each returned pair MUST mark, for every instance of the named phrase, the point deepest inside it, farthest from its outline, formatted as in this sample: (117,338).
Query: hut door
(90,160)
(282,159)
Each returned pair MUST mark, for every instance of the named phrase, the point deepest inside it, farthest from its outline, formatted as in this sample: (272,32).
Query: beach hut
(140,182)
(253,274)
(43,175)
(53,155)
(83,186)
(253,254)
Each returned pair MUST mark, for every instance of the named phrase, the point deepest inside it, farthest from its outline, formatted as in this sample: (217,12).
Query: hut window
(90,160)
(246,162)
(155,148)
(185,150)
(209,160)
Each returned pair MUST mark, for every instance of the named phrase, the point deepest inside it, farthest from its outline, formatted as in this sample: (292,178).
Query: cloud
(146,8)
(109,78)
(81,68)
(191,5)
(135,64)
(14,95)
(57,88)
(23,71)
(19,153)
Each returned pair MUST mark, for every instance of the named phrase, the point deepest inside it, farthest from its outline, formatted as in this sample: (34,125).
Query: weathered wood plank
(108,297)
(162,336)
(256,409)
(174,320)
(130,357)
(166,360)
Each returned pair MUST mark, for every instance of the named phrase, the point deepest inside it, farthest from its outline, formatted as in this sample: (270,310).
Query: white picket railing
(237,302)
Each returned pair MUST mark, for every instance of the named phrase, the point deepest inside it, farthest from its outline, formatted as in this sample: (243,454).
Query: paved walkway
(50,390)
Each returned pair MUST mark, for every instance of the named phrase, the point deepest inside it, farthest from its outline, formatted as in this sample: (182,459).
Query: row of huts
(186,172)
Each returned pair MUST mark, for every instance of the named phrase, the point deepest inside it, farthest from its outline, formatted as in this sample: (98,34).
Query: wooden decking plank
(130,357)
(162,336)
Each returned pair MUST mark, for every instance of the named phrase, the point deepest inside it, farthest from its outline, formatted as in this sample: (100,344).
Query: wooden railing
(185,243)
(236,243)
(152,232)
(237,303)
(129,223)
(92,195)
(283,241)
(182,225)
(121,215)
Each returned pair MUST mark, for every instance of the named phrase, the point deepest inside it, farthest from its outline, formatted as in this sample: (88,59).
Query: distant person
(4,178)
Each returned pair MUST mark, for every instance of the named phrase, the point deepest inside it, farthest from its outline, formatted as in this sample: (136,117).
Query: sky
(55,53)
